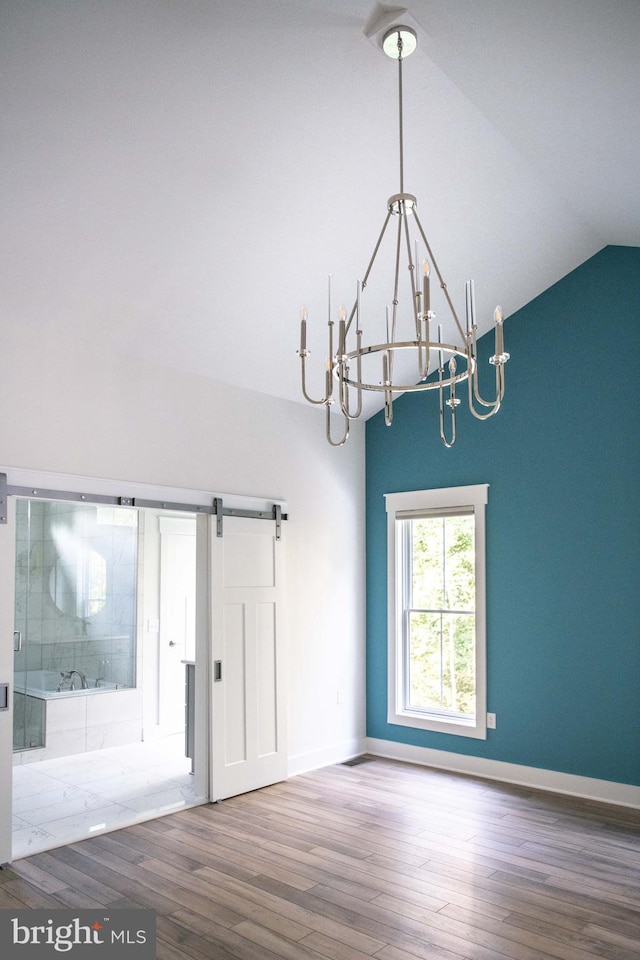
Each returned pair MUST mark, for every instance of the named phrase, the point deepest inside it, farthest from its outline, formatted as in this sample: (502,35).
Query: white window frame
(399,506)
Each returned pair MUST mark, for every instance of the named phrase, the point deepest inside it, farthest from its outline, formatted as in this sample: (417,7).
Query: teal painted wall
(562,459)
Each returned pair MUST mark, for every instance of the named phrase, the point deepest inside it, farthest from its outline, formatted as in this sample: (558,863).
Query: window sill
(458,728)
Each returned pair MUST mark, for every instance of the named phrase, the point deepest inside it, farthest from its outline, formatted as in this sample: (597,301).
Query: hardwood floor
(380,859)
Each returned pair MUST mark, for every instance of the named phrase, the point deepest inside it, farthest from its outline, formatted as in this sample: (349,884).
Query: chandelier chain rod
(400,113)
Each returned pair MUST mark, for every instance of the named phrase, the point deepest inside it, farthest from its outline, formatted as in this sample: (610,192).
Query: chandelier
(406,350)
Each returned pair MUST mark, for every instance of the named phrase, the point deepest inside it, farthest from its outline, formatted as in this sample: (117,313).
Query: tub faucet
(68,678)
(83,680)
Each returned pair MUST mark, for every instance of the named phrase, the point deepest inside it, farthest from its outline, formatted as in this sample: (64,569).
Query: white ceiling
(180,176)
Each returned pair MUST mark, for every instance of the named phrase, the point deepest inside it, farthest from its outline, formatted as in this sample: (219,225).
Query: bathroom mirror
(78,583)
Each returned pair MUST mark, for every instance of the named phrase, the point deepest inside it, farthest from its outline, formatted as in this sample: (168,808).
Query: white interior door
(248,668)
(177,616)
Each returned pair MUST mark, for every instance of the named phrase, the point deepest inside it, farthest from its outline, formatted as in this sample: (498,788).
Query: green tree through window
(440,616)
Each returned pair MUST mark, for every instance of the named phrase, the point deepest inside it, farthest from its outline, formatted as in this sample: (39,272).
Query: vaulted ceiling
(180,176)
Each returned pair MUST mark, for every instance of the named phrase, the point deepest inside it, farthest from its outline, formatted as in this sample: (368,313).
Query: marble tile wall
(56,545)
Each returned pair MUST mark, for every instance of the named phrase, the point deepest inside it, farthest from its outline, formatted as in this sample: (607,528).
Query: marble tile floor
(64,800)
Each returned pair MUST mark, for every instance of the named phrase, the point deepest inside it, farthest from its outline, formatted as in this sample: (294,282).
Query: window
(437,661)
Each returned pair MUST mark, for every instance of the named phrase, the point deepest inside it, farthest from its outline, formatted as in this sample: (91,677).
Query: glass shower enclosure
(75,609)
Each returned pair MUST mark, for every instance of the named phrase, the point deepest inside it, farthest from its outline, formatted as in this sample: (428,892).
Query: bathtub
(44,685)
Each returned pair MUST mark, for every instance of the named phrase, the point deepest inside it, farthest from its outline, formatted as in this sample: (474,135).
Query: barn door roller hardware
(274,514)
(217,508)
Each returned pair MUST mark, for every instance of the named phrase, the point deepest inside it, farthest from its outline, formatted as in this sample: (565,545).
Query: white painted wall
(70,407)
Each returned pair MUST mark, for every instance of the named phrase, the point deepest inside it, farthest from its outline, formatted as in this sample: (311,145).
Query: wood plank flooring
(382,860)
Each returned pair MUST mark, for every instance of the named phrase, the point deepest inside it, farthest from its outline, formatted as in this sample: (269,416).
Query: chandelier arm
(345,383)
(447,443)
(341,369)
(485,416)
(476,390)
(344,392)
(439,275)
(343,389)
(345,436)
(355,311)
(495,406)
(304,383)
(359,372)
(303,353)
(481,400)
(328,377)
(371,263)
(474,394)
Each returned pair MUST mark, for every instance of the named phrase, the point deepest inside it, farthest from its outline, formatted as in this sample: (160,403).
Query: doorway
(176,623)
(105,620)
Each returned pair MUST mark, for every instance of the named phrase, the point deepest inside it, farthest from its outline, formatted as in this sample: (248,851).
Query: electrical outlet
(491,721)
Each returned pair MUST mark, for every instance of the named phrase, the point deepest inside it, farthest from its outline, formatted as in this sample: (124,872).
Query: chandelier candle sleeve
(471,305)
(379,359)
(342,345)
(497,316)
(426,292)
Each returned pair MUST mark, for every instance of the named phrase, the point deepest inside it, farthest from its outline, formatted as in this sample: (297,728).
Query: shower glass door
(75,611)
(28,711)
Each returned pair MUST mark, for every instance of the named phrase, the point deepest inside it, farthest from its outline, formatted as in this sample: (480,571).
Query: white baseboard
(337,753)
(605,791)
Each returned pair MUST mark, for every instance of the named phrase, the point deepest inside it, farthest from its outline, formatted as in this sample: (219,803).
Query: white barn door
(248,743)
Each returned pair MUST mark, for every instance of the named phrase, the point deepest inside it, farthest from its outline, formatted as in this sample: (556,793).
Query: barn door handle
(217,670)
